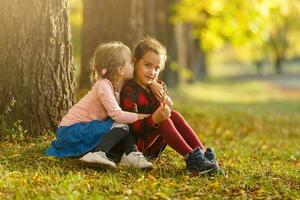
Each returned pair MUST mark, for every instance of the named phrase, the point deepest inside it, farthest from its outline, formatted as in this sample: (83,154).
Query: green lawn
(253,126)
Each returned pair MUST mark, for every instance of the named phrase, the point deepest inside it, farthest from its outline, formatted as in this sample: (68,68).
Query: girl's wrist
(142,116)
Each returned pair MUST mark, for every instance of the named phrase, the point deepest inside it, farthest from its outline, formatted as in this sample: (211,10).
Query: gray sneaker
(197,164)
(97,159)
(211,156)
(135,159)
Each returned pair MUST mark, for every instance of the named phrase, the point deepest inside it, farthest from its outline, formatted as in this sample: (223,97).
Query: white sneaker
(135,159)
(97,159)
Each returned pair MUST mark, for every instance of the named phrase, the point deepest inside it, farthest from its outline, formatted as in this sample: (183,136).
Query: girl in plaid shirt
(163,126)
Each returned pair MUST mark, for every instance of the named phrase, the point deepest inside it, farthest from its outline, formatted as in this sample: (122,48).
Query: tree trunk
(197,60)
(181,32)
(36,65)
(278,64)
(165,34)
(108,20)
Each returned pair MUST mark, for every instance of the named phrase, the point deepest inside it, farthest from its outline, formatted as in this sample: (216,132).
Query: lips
(149,78)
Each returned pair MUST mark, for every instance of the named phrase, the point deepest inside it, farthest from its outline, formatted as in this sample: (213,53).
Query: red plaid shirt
(134,98)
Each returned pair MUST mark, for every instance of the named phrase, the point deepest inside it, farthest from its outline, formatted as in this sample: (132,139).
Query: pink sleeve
(105,94)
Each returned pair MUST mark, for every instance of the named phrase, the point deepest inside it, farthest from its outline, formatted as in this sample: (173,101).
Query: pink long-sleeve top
(99,103)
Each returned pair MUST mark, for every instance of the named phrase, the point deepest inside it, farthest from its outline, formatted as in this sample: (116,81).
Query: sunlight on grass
(239,92)
(253,126)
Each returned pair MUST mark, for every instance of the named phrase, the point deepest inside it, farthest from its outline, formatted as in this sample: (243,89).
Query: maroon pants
(175,132)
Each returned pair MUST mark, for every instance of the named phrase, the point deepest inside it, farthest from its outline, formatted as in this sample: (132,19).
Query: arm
(129,103)
(105,94)
(158,88)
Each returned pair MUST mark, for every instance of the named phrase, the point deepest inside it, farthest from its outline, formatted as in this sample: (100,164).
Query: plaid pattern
(135,98)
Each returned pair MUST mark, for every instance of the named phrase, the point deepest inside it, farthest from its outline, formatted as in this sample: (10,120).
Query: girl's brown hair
(106,59)
(150,44)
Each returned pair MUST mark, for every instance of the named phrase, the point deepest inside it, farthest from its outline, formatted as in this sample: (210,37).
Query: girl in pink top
(97,121)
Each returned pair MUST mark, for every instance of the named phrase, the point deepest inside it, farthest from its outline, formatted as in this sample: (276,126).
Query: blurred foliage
(256,28)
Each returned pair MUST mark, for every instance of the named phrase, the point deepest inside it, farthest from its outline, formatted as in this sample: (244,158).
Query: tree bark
(36,64)
(198,60)
(108,20)
(181,32)
(165,34)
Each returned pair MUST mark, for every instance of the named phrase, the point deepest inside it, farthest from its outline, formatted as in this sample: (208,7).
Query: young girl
(88,126)
(163,126)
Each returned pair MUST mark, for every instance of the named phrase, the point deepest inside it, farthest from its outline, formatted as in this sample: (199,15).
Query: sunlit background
(256,37)
(233,72)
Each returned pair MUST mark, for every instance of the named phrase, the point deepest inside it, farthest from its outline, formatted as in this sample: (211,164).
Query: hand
(142,116)
(162,113)
(166,100)
(157,89)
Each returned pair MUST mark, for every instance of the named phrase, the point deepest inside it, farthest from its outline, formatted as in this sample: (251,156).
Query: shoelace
(197,155)
(139,155)
(102,154)
(209,154)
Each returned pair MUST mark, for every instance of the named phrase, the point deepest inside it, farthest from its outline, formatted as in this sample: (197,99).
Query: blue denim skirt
(78,139)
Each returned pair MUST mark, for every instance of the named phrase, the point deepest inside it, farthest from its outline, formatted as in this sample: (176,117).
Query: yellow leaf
(14,155)
(52,158)
(162,196)
(151,177)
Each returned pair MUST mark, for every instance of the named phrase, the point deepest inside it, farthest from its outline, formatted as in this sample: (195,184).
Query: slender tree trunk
(196,59)
(36,65)
(165,34)
(278,64)
(108,20)
(182,51)
(150,16)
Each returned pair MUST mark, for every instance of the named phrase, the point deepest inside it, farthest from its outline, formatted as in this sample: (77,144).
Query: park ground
(253,124)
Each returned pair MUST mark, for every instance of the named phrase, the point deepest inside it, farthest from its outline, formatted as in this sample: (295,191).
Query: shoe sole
(198,173)
(142,168)
(95,165)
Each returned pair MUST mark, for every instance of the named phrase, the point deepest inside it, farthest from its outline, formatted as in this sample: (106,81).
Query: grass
(252,125)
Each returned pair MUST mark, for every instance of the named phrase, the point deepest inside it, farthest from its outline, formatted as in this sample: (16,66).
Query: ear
(134,60)
(121,70)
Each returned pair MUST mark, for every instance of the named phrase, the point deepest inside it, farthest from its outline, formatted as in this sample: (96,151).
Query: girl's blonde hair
(106,59)
(150,44)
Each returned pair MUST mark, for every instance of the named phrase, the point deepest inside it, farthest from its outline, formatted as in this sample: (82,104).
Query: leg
(195,160)
(152,145)
(113,137)
(186,131)
(128,143)
(170,134)
(98,157)
(132,157)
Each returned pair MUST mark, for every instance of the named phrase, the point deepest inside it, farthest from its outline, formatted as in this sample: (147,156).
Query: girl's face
(148,68)
(128,68)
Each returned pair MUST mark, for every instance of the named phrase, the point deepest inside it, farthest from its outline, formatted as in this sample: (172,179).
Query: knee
(120,125)
(174,112)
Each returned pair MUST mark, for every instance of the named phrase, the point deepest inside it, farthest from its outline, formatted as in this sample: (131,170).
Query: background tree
(129,21)
(107,20)
(266,26)
(36,68)
(215,23)
(157,24)
(283,25)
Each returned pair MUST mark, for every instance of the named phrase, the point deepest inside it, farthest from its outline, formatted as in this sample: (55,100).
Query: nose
(152,72)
